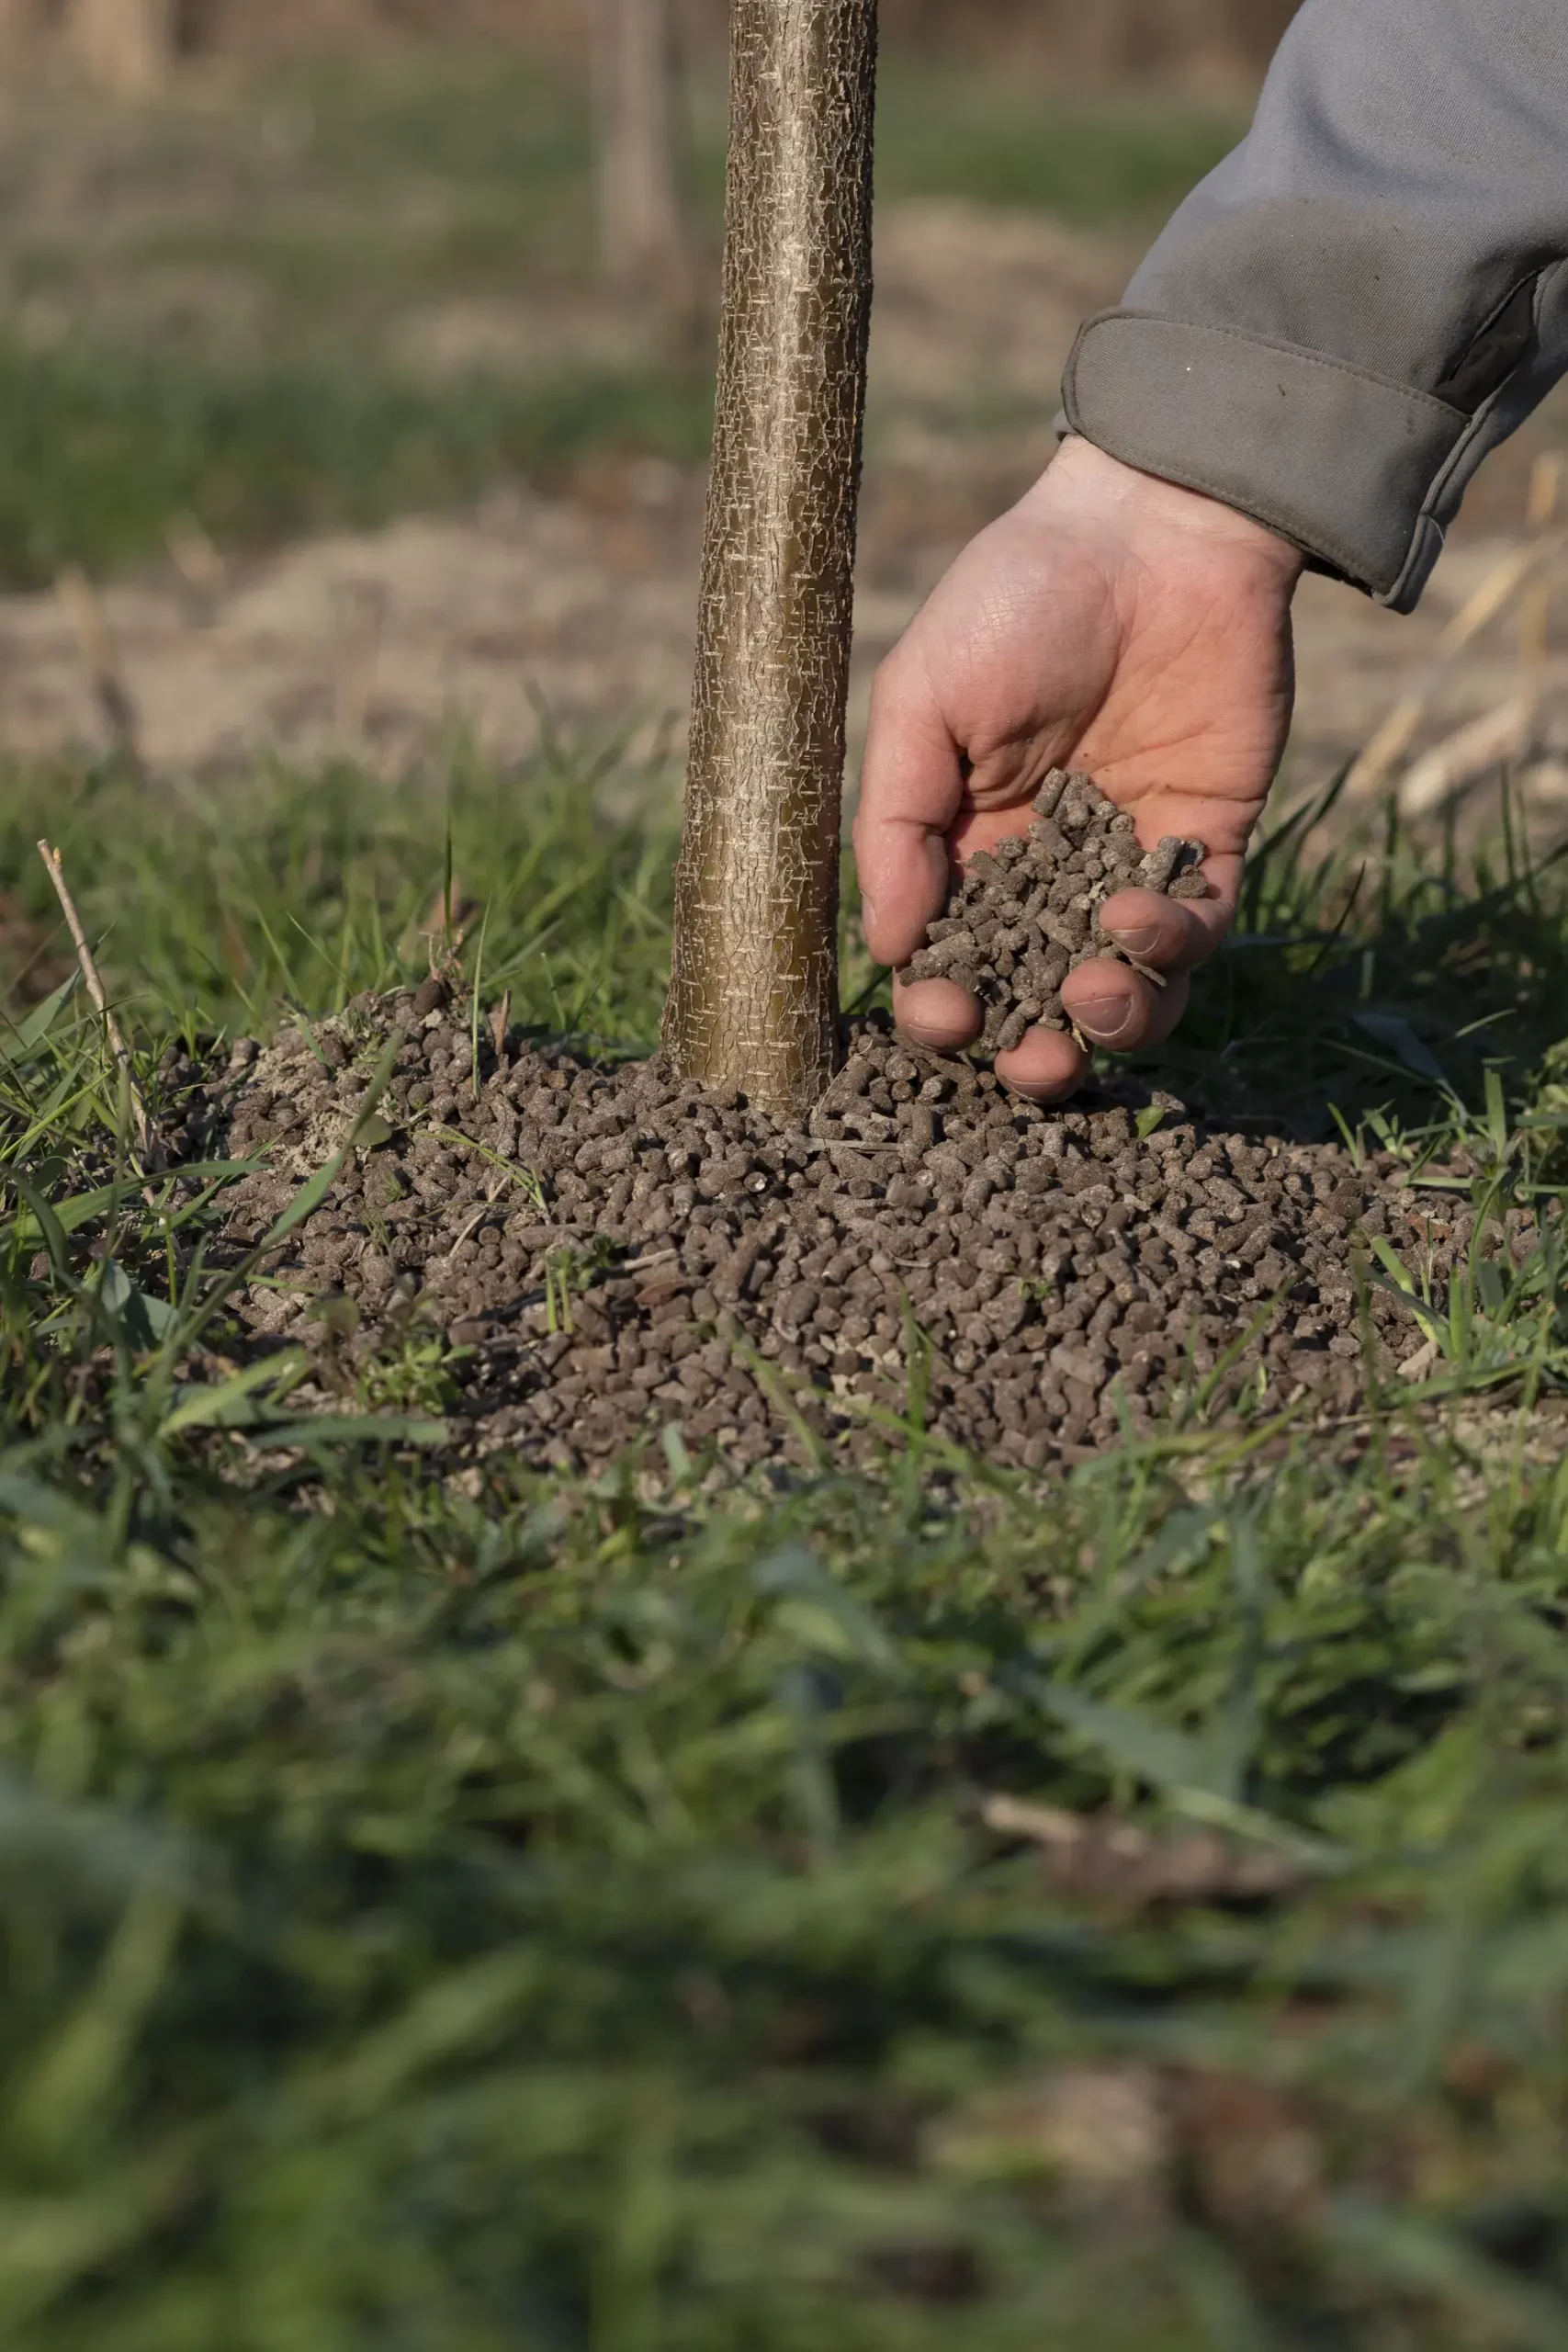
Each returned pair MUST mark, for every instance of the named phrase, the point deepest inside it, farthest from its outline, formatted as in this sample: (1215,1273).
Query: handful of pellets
(1023,916)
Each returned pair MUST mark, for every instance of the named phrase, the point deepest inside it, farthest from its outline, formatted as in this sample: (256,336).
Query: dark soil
(1020,917)
(623,1253)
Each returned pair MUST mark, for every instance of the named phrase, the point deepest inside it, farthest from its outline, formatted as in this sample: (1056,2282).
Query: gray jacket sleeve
(1367,296)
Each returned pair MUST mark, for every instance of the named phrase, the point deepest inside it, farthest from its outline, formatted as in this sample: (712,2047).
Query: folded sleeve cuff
(1351,468)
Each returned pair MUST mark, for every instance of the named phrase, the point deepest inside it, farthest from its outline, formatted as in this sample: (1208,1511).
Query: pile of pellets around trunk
(1020,917)
(614,1253)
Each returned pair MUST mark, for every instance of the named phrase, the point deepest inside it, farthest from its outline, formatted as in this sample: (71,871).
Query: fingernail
(1104,1017)
(1138,939)
(868,913)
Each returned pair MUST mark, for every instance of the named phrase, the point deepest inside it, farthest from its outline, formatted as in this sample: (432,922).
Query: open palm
(1112,623)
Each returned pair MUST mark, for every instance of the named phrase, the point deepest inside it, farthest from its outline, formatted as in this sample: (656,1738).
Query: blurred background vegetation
(276,266)
(1119,38)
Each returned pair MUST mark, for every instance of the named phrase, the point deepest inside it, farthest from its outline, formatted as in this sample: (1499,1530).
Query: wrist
(1085,484)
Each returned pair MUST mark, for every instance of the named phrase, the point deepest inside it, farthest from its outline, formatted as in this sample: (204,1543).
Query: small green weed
(415,1377)
(568,1273)
(1507,1316)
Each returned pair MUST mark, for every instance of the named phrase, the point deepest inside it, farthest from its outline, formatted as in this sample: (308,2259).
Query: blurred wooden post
(125,46)
(642,214)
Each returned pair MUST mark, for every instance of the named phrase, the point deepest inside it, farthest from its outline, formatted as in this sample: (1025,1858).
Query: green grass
(216,912)
(338,195)
(563,1914)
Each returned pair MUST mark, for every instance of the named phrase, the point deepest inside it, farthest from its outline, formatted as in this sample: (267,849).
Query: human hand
(1112,623)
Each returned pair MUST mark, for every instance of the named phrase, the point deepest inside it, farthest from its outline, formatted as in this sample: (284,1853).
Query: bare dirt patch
(497,627)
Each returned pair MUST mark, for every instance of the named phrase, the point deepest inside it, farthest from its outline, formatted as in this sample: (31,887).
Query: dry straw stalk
(148,1150)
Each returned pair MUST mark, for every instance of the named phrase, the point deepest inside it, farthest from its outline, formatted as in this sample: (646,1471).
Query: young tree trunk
(126,46)
(642,212)
(753,991)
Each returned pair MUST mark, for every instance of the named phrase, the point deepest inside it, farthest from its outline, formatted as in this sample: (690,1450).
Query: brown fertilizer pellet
(617,1253)
(1020,917)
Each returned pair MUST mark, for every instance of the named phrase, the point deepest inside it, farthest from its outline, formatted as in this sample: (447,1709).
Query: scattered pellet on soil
(1020,917)
(622,1253)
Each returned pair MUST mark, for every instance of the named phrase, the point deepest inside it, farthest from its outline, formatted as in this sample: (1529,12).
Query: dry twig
(148,1150)
(443,928)
(500,1022)
(1450,768)
(1507,732)
(1118,1861)
(202,570)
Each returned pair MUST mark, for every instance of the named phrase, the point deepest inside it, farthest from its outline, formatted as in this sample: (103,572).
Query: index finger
(911,792)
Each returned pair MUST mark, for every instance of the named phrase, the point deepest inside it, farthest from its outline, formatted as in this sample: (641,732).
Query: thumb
(911,790)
